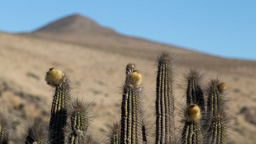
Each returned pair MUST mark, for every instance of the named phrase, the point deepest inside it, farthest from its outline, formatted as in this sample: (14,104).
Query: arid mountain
(94,58)
(74,24)
(82,30)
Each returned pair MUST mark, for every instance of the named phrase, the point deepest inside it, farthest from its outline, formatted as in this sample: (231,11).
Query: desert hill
(82,30)
(74,24)
(95,63)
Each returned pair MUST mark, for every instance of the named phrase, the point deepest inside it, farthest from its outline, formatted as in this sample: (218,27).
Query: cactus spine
(3,129)
(192,129)
(194,91)
(79,123)
(115,134)
(216,132)
(130,110)
(164,101)
(60,105)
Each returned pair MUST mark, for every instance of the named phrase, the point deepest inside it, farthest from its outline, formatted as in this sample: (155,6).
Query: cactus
(194,91)
(215,100)
(37,134)
(217,132)
(192,133)
(164,101)
(130,110)
(132,129)
(144,133)
(60,105)
(217,119)
(115,134)
(4,129)
(79,123)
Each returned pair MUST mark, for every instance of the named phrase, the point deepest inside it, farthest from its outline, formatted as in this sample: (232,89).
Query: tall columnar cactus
(131,132)
(4,129)
(79,123)
(37,134)
(60,105)
(192,133)
(217,119)
(164,101)
(115,134)
(194,90)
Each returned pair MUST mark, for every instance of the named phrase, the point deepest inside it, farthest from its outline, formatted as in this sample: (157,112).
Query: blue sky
(220,27)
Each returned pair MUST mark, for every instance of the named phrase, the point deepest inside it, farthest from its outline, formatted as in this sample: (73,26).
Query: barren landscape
(95,58)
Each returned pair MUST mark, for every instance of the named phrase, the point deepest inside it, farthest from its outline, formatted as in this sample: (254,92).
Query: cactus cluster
(204,122)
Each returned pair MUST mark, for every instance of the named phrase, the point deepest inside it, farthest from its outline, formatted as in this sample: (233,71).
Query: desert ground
(96,69)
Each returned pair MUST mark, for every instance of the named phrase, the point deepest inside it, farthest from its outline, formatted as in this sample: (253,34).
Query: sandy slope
(97,76)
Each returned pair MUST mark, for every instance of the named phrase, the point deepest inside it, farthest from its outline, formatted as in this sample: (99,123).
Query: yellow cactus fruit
(193,113)
(134,79)
(222,87)
(34,142)
(54,76)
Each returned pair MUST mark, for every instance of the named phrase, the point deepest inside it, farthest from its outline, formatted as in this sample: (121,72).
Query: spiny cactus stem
(72,139)
(218,133)
(131,124)
(187,131)
(194,91)
(192,133)
(164,107)
(60,103)
(4,136)
(130,117)
(223,132)
(115,134)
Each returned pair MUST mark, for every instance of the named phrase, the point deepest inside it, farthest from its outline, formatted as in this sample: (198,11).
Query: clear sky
(220,27)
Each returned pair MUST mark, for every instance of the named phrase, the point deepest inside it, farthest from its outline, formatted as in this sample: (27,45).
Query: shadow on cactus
(60,104)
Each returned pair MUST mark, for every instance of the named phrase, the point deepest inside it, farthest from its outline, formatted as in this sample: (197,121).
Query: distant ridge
(82,30)
(74,24)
